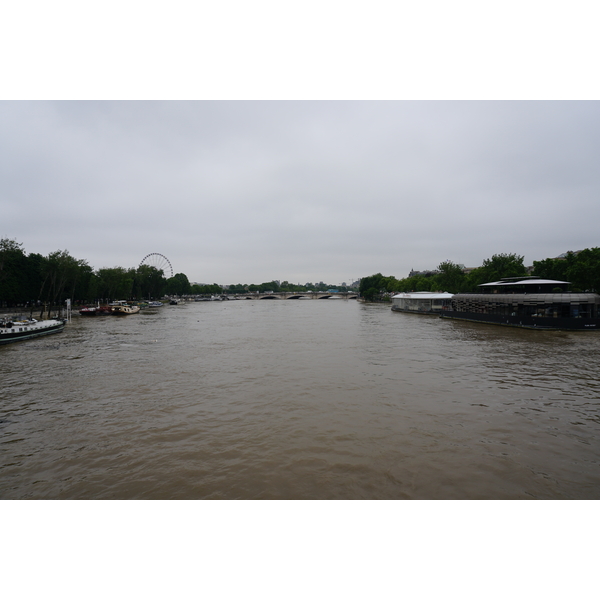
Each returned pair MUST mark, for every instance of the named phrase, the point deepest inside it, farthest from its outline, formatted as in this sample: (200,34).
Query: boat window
(583,311)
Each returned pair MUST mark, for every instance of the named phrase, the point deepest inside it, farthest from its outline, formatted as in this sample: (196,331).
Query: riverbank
(35,312)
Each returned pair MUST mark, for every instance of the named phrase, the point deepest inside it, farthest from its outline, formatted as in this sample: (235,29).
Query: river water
(303,399)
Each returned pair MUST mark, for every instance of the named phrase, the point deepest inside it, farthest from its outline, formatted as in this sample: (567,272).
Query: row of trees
(35,279)
(284,286)
(582,269)
(31,279)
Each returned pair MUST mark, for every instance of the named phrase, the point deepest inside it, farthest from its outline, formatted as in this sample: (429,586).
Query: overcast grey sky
(242,192)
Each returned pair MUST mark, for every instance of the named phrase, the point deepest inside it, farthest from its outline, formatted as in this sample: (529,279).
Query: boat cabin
(421,302)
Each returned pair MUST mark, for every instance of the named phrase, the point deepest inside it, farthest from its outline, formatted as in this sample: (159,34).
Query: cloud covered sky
(249,191)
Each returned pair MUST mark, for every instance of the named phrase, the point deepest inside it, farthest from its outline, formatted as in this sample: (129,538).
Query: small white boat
(122,308)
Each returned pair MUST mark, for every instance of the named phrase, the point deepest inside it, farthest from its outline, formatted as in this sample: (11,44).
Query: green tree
(32,278)
(149,282)
(550,268)
(116,283)
(495,268)
(271,286)
(583,269)
(391,284)
(371,294)
(450,277)
(92,291)
(12,263)
(370,287)
(8,248)
(178,285)
(421,284)
(207,290)
(60,275)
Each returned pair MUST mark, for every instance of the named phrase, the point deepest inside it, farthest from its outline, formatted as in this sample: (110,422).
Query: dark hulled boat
(15,331)
(529,302)
(94,311)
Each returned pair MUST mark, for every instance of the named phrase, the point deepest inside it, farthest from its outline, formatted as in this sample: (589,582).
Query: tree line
(283,286)
(34,279)
(581,269)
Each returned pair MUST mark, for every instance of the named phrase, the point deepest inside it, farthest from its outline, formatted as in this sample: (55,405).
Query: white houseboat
(15,331)
(424,303)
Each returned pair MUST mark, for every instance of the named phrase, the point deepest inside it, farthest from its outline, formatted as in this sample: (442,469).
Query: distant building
(414,273)
(563,256)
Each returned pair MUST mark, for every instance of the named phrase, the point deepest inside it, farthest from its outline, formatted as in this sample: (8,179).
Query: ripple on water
(299,400)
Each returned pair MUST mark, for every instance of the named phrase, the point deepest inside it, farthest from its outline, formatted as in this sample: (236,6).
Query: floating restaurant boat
(15,331)
(423,303)
(529,302)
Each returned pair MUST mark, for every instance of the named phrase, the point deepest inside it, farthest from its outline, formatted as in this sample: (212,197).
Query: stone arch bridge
(283,296)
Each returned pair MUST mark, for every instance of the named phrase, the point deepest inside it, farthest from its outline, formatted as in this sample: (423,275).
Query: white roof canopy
(526,282)
(424,295)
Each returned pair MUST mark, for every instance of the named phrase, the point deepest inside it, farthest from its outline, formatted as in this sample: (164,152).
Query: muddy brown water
(304,399)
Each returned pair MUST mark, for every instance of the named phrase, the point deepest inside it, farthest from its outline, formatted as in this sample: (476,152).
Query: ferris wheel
(160,262)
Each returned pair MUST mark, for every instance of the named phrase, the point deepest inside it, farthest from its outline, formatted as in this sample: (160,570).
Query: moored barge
(93,311)
(529,302)
(15,331)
